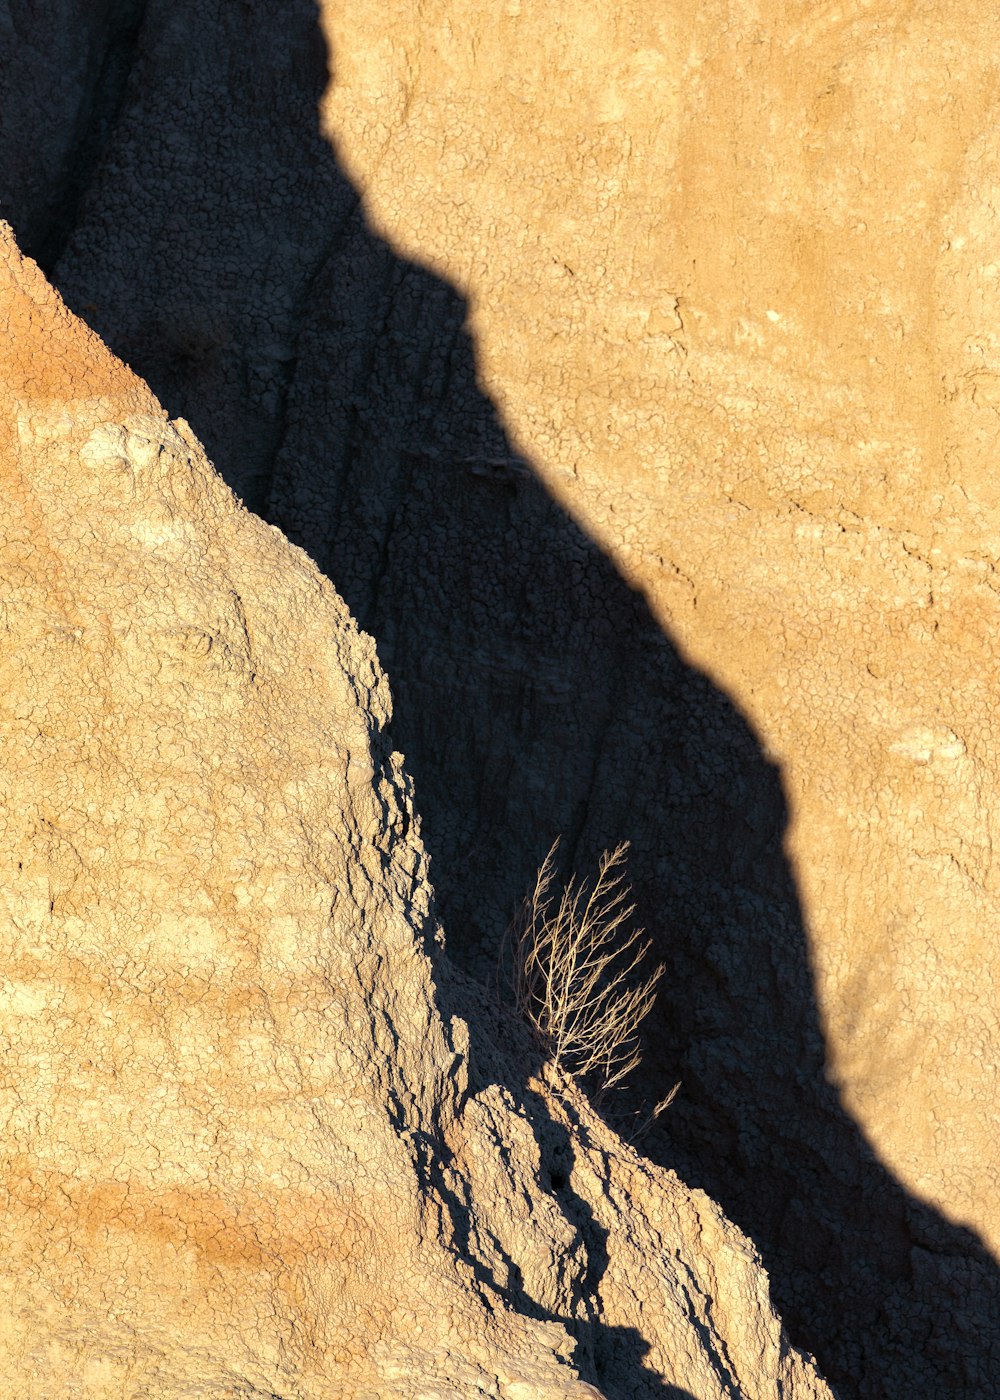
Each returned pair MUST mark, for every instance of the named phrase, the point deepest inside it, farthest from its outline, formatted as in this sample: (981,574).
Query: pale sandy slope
(242,1154)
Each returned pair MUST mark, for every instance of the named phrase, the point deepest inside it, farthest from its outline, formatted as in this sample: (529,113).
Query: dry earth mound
(241,1154)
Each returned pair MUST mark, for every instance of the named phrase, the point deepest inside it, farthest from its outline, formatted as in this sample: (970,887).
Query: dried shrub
(576,972)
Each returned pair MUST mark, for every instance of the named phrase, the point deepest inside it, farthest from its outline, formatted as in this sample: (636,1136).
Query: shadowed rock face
(221,250)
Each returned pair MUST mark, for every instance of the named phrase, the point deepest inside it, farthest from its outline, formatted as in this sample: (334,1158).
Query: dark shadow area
(221,251)
(66,66)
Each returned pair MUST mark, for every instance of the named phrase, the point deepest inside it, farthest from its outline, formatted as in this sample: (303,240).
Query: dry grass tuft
(576,972)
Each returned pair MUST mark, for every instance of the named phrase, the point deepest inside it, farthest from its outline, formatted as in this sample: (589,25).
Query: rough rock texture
(241,1153)
(720,579)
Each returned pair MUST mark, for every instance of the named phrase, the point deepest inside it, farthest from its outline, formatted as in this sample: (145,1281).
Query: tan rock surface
(754,258)
(739,299)
(241,1155)
(698,304)
(733,278)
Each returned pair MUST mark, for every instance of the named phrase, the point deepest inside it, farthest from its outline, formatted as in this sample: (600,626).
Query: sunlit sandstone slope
(241,1154)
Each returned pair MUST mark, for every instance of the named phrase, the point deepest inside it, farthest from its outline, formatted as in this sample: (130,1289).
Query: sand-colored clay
(231,1104)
